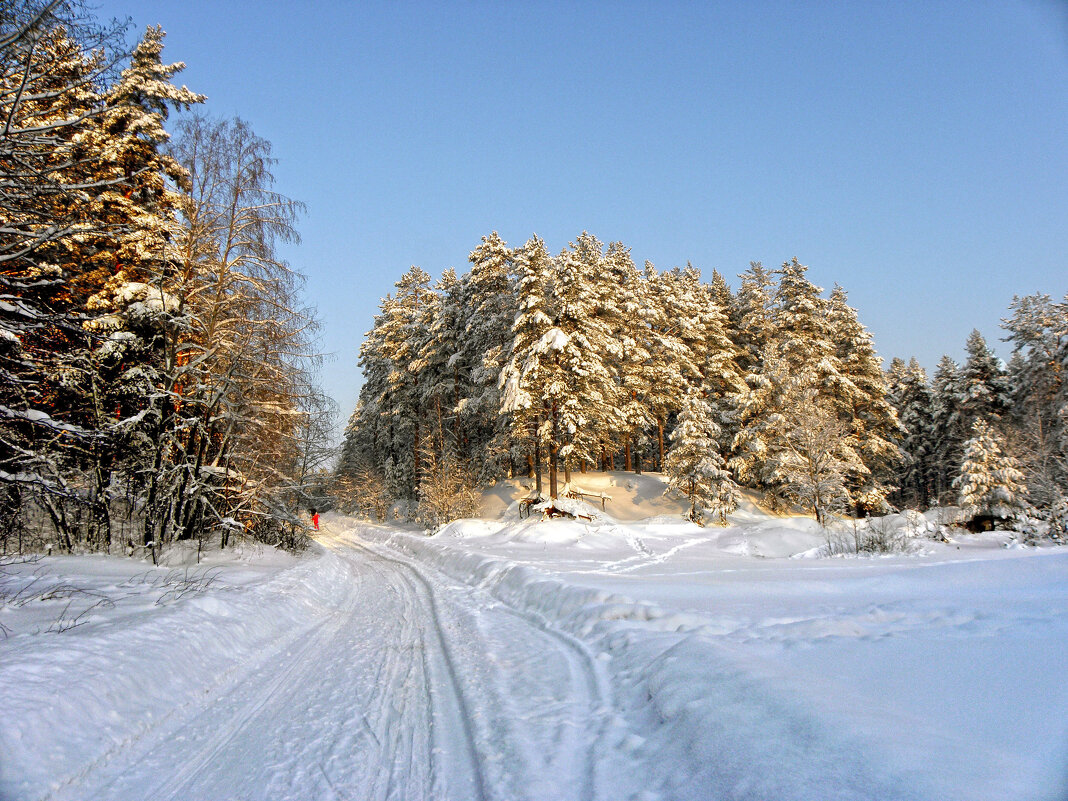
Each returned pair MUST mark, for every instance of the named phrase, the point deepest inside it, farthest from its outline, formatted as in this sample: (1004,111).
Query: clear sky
(914,152)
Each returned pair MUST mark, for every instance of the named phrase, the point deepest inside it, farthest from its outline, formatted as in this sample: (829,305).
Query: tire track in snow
(586,677)
(387,695)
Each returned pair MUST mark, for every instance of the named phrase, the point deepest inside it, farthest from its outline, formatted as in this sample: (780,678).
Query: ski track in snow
(408,688)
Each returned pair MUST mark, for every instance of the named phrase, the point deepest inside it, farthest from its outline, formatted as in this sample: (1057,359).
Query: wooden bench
(578,494)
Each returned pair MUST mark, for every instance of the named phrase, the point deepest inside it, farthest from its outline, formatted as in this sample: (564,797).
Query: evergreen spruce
(694,465)
(990,485)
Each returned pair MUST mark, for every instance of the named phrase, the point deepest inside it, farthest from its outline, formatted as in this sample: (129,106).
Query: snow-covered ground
(634,656)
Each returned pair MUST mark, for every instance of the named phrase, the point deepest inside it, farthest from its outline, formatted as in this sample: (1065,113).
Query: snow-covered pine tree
(990,485)
(798,365)
(626,308)
(368,442)
(387,432)
(764,415)
(51,88)
(88,215)
(722,378)
(1038,330)
(911,396)
(673,368)
(133,256)
(947,425)
(802,328)
(858,394)
(983,384)
(489,309)
(522,379)
(403,334)
(694,465)
(588,391)
(751,316)
(442,383)
(721,293)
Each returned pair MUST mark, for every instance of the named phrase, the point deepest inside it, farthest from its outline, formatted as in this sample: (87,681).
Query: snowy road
(408,687)
(517,661)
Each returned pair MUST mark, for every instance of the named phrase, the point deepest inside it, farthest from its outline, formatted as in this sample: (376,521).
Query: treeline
(987,430)
(158,365)
(532,363)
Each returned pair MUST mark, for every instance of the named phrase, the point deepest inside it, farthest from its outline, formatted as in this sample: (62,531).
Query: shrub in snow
(1058,521)
(991,486)
(446,492)
(876,535)
(1050,525)
(362,493)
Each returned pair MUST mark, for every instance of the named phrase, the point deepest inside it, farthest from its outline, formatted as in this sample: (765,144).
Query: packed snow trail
(407,687)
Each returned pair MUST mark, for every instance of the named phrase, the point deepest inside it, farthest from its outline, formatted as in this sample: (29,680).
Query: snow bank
(155,630)
(768,678)
(703,720)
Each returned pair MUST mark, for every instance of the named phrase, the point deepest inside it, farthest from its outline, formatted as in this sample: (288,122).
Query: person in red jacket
(315,519)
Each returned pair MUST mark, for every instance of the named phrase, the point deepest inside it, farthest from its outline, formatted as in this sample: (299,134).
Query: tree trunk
(660,440)
(626,453)
(553,449)
(537,456)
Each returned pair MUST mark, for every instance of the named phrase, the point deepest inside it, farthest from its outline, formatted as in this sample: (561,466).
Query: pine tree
(522,380)
(1038,330)
(914,401)
(983,385)
(442,384)
(587,390)
(750,316)
(89,213)
(671,369)
(489,309)
(803,329)
(990,485)
(694,465)
(797,366)
(626,308)
(858,394)
(947,423)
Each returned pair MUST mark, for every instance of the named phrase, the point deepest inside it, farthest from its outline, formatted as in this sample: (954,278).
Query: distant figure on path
(315,519)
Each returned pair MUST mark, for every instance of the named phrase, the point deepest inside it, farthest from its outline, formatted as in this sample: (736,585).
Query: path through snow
(401,684)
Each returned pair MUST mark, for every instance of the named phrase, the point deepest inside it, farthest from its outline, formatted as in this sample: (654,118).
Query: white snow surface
(625,658)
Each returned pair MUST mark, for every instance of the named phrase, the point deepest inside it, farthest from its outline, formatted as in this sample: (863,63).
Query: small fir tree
(694,465)
(990,485)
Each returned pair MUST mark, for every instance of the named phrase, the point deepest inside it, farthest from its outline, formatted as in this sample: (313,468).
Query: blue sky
(914,152)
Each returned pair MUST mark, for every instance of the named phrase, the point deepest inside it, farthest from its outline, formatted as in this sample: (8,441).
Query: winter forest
(534,364)
(159,364)
(558,523)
